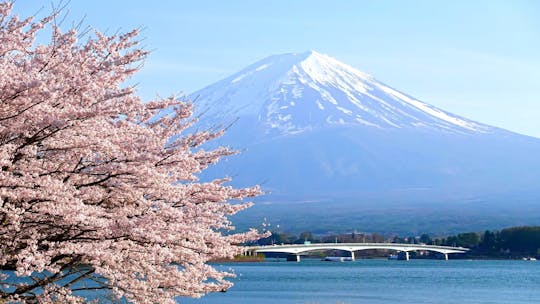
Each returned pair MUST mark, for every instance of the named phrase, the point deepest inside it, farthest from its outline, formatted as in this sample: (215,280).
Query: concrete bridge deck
(298,249)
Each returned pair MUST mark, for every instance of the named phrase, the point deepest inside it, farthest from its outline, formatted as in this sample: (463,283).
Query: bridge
(299,249)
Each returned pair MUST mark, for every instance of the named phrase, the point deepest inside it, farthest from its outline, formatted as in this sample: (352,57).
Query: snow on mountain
(314,129)
(307,121)
(295,92)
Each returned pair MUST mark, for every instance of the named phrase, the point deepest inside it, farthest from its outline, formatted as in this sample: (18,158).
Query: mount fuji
(323,138)
(292,93)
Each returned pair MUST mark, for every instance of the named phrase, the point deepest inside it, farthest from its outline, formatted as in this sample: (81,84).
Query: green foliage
(509,242)
(278,238)
(469,239)
(520,239)
(305,236)
(425,239)
(512,242)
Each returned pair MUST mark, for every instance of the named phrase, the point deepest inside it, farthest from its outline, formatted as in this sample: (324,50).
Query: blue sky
(478,59)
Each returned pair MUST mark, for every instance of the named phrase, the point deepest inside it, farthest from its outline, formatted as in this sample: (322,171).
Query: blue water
(381,281)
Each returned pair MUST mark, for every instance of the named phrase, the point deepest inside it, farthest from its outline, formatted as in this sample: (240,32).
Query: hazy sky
(478,59)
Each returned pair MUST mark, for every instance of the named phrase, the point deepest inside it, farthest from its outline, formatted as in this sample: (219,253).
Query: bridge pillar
(352,256)
(446,256)
(407,256)
(293,258)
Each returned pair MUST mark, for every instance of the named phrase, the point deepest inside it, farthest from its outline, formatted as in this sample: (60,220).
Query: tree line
(511,242)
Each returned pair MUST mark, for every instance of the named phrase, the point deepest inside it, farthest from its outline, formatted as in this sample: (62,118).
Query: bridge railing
(295,250)
(404,245)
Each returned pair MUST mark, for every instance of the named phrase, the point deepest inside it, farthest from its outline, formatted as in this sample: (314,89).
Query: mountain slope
(292,93)
(314,129)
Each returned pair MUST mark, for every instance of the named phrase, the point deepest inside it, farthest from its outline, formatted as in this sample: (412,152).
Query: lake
(381,281)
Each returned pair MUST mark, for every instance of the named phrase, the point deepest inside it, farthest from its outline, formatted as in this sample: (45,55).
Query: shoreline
(240,259)
(252,259)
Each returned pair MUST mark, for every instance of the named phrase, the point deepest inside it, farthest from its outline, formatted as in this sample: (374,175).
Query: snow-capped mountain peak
(317,130)
(294,92)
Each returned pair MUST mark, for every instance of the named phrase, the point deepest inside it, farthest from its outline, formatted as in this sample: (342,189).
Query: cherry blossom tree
(98,190)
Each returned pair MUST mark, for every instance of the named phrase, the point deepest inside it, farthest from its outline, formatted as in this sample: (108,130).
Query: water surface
(381,281)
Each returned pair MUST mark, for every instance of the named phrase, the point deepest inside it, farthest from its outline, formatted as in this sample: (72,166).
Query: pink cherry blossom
(94,185)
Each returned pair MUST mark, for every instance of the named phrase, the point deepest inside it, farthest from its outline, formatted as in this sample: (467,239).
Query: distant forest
(515,242)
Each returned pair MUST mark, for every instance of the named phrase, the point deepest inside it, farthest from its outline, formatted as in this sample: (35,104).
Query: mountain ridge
(271,88)
(370,145)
